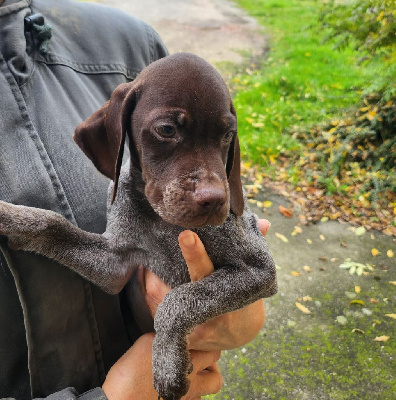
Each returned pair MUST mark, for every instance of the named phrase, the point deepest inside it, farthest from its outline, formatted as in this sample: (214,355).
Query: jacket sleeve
(71,394)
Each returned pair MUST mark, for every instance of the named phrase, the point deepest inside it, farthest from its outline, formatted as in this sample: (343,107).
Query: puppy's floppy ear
(233,169)
(102,136)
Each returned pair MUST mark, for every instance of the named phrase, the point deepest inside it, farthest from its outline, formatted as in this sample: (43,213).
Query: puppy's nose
(210,198)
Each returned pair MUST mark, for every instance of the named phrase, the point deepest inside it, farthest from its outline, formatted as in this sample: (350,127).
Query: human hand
(224,332)
(131,376)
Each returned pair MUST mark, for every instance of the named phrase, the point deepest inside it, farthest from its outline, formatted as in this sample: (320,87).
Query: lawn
(302,81)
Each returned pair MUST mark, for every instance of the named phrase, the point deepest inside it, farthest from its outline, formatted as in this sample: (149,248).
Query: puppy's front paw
(171,365)
(24,225)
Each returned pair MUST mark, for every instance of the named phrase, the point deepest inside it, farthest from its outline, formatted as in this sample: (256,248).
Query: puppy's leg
(49,234)
(192,304)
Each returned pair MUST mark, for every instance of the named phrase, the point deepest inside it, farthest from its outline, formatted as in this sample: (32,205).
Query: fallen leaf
(295,273)
(381,338)
(375,252)
(296,231)
(267,204)
(306,268)
(323,258)
(303,308)
(360,302)
(309,241)
(285,211)
(334,259)
(361,230)
(374,301)
(392,282)
(390,253)
(307,298)
(281,237)
(391,316)
(322,237)
(357,331)
(357,289)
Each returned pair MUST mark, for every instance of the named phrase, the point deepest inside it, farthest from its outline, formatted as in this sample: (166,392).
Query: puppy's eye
(166,131)
(228,136)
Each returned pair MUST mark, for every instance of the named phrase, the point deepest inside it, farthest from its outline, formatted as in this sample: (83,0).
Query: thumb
(198,262)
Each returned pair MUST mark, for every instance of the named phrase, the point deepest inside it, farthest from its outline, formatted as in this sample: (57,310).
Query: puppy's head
(182,131)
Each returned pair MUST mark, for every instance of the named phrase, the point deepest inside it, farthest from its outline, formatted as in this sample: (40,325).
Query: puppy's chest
(135,229)
(138,233)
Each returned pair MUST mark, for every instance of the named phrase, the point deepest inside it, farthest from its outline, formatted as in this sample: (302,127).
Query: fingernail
(187,239)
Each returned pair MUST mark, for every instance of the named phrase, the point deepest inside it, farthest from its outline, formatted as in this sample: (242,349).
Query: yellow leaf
(272,158)
(307,298)
(392,282)
(391,316)
(381,338)
(322,237)
(370,115)
(295,273)
(360,302)
(357,289)
(309,241)
(306,268)
(390,253)
(302,308)
(267,204)
(296,231)
(374,252)
(281,237)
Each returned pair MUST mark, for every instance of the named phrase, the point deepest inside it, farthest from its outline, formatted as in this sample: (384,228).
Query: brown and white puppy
(183,172)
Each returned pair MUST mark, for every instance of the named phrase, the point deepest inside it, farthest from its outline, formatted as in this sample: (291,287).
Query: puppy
(183,172)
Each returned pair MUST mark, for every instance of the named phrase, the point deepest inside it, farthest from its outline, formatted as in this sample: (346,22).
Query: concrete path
(326,330)
(213,29)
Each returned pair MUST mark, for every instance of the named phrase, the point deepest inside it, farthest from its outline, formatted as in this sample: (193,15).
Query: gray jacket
(59,331)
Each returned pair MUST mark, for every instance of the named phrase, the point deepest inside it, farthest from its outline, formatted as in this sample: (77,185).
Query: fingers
(198,262)
(206,377)
(203,359)
(264,226)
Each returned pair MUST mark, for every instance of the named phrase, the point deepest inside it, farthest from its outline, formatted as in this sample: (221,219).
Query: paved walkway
(213,29)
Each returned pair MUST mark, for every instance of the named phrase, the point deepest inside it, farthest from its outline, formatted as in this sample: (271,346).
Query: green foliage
(320,119)
(357,151)
(301,81)
(370,27)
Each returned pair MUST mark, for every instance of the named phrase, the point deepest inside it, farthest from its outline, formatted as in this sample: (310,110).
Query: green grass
(302,81)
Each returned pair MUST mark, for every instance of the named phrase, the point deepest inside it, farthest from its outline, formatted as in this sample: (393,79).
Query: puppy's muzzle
(209,198)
